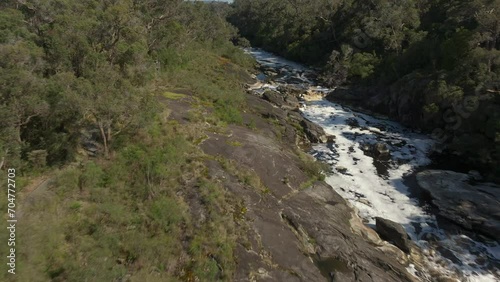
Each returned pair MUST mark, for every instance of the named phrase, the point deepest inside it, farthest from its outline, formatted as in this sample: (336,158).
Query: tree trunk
(109,132)
(3,159)
(18,134)
(2,162)
(104,140)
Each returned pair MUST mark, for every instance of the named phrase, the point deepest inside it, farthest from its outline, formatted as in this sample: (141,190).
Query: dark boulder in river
(393,232)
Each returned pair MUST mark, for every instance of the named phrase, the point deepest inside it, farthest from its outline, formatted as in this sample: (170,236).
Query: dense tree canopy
(72,65)
(85,87)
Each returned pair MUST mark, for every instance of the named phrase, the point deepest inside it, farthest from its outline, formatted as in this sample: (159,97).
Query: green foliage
(455,48)
(315,170)
(128,217)
(431,108)
(363,65)
(228,113)
(73,66)
(173,96)
(75,73)
(167,213)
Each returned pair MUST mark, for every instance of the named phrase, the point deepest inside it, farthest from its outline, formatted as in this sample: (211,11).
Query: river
(378,187)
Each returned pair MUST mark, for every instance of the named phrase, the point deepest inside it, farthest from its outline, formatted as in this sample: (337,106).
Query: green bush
(363,65)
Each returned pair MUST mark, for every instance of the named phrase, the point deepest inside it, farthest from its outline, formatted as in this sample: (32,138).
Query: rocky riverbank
(297,227)
(455,125)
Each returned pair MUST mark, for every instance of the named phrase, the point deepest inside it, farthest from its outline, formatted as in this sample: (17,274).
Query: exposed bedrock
(475,206)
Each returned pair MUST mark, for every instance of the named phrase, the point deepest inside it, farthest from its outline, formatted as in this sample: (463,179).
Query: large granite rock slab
(292,232)
(473,206)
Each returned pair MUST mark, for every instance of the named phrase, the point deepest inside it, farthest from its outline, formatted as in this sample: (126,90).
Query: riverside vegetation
(430,64)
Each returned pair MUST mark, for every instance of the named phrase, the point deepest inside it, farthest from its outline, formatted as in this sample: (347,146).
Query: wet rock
(270,73)
(261,77)
(292,90)
(352,122)
(314,132)
(380,150)
(365,147)
(331,139)
(365,201)
(341,169)
(393,232)
(474,207)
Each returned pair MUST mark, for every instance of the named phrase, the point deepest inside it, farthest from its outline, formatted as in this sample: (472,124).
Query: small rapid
(370,160)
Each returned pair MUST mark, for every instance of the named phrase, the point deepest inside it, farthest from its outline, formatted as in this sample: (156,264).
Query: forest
(83,124)
(430,64)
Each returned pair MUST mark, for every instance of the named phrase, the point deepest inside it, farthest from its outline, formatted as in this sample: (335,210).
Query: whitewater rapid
(376,188)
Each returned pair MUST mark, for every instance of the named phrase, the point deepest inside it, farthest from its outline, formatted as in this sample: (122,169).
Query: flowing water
(375,185)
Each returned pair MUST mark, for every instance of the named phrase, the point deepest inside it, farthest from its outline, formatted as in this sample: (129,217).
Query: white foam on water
(385,195)
(270,60)
(388,196)
(378,190)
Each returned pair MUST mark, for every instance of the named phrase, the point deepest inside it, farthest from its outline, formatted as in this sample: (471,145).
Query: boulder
(284,101)
(314,132)
(341,169)
(331,139)
(352,122)
(380,150)
(472,206)
(270,73)
(291,90)
(393,232)
(274,97)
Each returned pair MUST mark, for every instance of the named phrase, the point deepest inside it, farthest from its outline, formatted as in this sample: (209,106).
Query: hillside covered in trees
(99,165)
(429,64)
(69,65)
